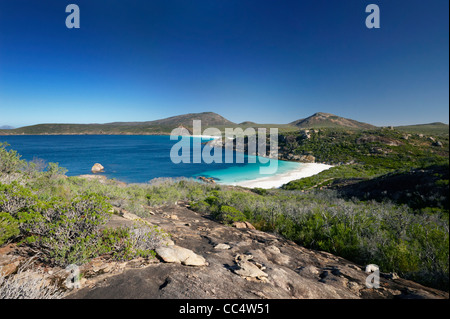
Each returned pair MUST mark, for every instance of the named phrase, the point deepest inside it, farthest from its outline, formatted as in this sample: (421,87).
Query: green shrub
(229,215)
(67,233)
(9,227)
(10,161)
(260,191)
(54,170)
(126,243)
(200,206)
(15,198)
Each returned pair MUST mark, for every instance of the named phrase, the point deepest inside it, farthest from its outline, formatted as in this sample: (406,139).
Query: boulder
(243,225)
(180,255)
(97,168)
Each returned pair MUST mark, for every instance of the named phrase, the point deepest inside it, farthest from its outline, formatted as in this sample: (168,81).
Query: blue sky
(257,60)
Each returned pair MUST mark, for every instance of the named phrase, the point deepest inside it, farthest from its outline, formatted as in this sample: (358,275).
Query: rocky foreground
(205,259)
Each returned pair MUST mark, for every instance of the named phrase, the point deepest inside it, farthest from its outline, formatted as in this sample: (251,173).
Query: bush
(125,243)
(55,171)
(67,233)
(10,161)
(28,285)
(9,227)
(200,206)
(15,198)
(229,215)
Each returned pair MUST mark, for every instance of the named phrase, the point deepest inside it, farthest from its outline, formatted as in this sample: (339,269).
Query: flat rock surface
(256,265)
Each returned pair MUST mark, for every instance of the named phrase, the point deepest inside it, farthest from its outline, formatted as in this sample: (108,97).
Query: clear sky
(267,61)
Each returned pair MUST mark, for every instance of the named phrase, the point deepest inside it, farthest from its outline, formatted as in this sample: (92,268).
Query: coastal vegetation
(363,154)
(41,210)
(64,218)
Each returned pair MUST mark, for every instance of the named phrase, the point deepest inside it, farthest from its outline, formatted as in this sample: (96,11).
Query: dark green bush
(66,232)
(126,243)
(10,161)
(9,227)
(15,198)
(229,215)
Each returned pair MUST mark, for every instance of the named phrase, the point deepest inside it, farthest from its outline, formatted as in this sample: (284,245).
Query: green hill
(210,119)
(436,128)
(163,126)
(326,120)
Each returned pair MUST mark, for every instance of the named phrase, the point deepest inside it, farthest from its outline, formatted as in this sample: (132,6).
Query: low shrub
(10,161)
(229,215)
(67,233)
(9,227)
(15,198)
(125,243)
(28,285)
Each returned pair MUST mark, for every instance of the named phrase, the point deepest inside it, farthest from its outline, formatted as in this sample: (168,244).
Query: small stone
(222,247)
(391,276)
(273,249)
(170,216)
(247,269)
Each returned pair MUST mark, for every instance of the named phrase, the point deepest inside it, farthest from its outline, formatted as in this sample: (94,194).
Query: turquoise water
(235,174)
(132,159)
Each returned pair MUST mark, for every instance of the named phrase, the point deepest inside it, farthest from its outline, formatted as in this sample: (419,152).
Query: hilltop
(322,120)
(207,118)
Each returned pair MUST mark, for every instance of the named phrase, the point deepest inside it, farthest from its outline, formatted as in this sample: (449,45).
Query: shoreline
(278,180)
(269,182)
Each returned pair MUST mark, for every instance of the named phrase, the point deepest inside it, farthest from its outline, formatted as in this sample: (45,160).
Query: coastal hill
(162,126)
(431,128)
(207,118)
(321,120)
(318,120)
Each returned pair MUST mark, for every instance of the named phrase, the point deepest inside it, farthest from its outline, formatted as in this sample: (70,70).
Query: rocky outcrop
(209,180)
(205,259)
(301,158)
(211,260)
(377,139)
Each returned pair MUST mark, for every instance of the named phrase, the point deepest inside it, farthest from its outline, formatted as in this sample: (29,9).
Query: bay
(130,158)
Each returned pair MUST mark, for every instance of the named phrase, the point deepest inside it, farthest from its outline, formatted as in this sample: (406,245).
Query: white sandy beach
(276,181)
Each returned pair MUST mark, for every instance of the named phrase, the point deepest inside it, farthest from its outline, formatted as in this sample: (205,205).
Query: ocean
(131,158)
